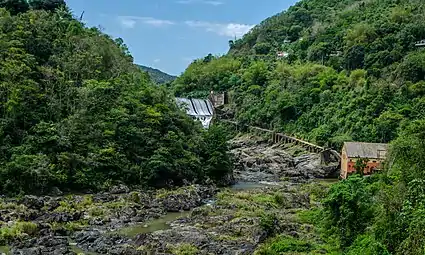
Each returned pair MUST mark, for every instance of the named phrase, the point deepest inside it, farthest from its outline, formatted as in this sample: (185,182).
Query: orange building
(375,153)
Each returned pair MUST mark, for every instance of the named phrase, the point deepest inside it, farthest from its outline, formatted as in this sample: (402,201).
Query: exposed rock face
(256,160)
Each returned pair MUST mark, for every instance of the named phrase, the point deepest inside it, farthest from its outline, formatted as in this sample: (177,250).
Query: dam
(199,109)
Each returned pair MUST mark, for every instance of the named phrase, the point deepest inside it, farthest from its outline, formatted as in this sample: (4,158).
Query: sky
(169,34)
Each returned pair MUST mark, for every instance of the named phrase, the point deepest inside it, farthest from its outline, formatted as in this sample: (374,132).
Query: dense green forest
(157,75)
(352,73)
(77,114)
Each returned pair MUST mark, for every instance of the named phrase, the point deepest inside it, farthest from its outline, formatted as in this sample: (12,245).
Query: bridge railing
(283,138)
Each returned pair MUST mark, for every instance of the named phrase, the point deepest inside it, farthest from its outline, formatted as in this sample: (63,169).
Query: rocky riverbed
(257,160)
(274,186)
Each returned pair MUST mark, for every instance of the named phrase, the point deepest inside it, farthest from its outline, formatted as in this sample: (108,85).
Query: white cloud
(210,2)
(128,23)
(229,30)
(131,21)
(157,60)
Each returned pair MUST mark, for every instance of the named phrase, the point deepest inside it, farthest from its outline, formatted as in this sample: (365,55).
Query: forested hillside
(77,114)
(157,75)
(352,73)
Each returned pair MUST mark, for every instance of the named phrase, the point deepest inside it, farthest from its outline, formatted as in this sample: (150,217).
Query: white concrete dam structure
(200,109)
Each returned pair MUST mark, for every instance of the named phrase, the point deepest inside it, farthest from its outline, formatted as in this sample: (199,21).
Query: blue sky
(169,34)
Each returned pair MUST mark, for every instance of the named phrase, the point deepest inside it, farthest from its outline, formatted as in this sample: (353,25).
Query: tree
(348,209)
(77,114)
(354,58)
(47,5)
(14,6)
(360,165)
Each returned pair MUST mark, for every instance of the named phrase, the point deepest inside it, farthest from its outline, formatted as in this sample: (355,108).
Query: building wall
(371,164)
(344,163)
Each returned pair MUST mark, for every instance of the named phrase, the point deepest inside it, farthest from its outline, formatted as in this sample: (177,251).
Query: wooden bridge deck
(280,137)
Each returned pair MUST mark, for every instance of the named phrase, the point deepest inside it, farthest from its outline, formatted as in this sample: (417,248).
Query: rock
(119,189)
(55,192)
(33,202)
(60,217)
(102,244)
(51,204)
(49,245)
(256,161)
(103,198)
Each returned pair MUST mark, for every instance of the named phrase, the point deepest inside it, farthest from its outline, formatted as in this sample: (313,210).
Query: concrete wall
(218,99)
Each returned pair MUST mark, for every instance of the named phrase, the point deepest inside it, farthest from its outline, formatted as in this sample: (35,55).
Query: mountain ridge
(157,75)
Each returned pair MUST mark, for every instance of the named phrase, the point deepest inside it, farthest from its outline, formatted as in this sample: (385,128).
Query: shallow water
(162,223)
(78,250)
(4,250)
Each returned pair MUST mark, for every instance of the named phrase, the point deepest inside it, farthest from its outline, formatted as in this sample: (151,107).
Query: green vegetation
(185,249)
(157,75)
(77,114)
(353,73)
(283,244)
(17,230)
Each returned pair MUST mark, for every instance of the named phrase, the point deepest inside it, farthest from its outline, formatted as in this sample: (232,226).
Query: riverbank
(43,225)
(269,201)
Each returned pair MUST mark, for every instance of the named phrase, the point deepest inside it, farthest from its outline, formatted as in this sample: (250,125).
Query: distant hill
(157,75)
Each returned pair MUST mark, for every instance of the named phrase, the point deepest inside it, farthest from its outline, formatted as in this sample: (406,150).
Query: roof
(196,107)
(366,150)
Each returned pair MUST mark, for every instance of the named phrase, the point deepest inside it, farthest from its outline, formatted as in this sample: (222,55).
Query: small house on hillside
(374,153)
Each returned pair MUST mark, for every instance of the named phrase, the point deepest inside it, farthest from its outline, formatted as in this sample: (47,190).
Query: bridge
(328,155)
(204,111)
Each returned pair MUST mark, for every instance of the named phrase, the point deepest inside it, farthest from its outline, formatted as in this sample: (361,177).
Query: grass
(184,249)
(70,226)
(250,200)
(284,244)
(5,250)
(316,190)
(163,193)
(16,231)
(70,205)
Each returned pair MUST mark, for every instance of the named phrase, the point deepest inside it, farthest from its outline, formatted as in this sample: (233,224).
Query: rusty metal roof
(366,150)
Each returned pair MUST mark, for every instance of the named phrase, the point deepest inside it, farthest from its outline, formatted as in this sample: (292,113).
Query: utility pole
(81,16)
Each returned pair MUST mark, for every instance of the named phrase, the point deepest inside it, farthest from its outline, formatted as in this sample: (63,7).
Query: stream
(162,223)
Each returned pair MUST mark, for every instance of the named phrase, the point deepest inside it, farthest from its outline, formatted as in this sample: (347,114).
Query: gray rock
(119,189)
(256,160)
(55,192)
(33,202)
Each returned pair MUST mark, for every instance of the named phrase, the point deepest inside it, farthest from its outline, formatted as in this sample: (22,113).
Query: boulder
(119,189)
